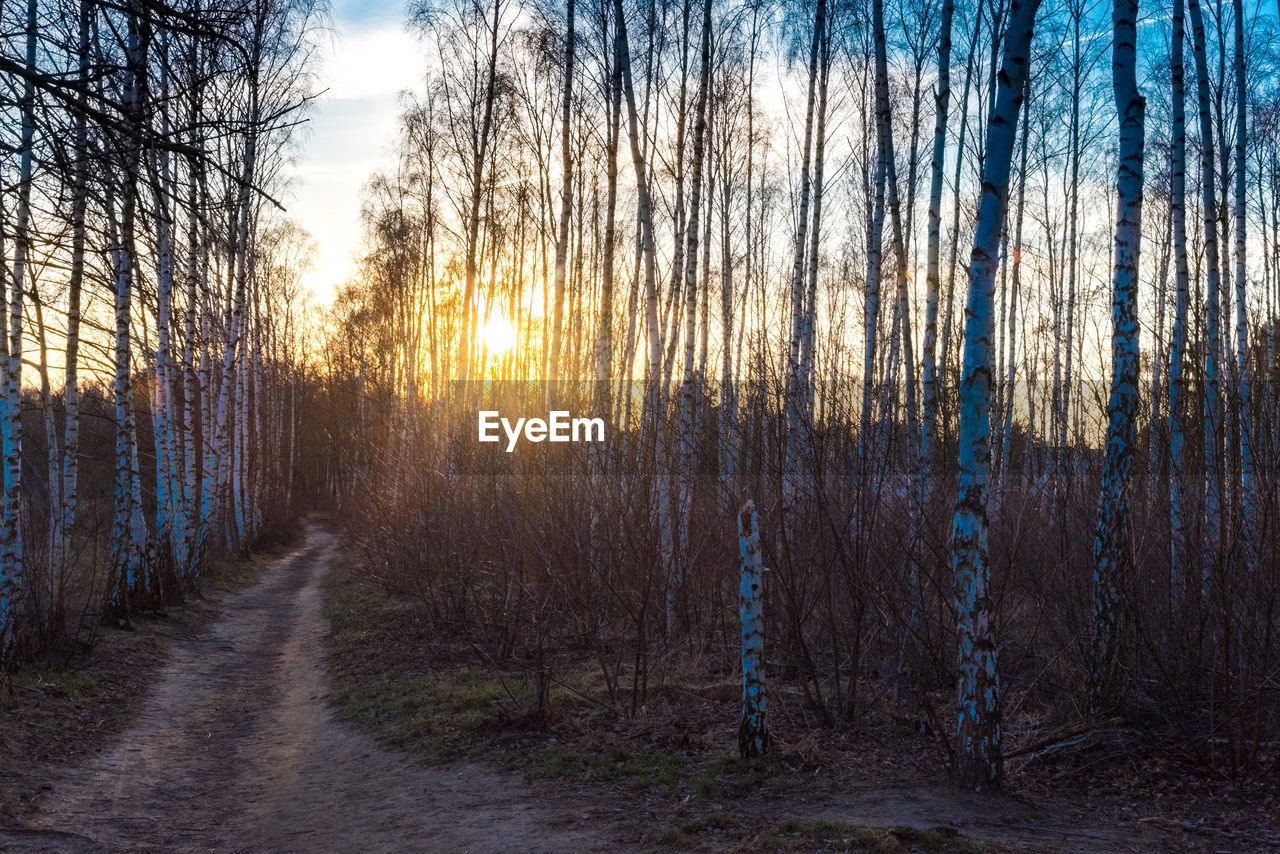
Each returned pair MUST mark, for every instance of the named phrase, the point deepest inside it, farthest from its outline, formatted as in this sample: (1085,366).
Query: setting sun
(493,425)
(498,335)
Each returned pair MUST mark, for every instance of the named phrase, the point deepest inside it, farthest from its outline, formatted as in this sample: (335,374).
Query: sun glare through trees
(740,425)
(498,336)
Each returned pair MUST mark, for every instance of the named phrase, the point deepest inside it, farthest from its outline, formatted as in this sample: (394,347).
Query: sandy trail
(236,750)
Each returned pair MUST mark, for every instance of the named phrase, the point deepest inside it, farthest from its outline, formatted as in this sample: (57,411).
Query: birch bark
(1248,464)
(566,197)
(753,733)
(1213,435)
(978,759)
(1112,548)
(942,104)
(1178,517)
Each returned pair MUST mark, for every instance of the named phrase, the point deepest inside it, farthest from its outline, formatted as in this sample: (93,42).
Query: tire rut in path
(235,750)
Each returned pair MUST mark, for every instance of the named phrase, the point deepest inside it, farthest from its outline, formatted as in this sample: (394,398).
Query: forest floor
(75,700)
(667,777)
(231,734)
(234,749)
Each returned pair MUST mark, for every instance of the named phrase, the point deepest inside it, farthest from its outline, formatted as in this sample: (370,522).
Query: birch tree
(1212,421)
(979,760)
(566,190)
(1112,555)
(1248,462)
(11,564)
(942,106)
(1178,515)
(124,549)
(753,734)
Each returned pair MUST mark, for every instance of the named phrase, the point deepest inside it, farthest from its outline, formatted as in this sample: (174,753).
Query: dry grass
(675,759)
(673,763)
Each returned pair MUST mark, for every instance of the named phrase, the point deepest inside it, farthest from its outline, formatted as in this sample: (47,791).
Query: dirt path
(235,750)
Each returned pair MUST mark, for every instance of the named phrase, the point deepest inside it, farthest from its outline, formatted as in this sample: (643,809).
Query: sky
(368,59)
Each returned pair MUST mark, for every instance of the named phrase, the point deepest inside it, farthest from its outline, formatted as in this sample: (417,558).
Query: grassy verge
(394,678)
(57,710)
(377,649)
(434,697)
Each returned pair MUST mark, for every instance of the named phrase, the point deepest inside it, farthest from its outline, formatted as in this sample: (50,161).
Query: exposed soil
(79,695)
(666,778)
(235,750)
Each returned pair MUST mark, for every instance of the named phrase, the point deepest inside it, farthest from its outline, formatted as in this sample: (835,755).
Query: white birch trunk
(566,200)
(942,104)
(123,550)
(753,733)
(1112,548)
(688,429)
(1178,516)
(12,579)
(796,410)
(978,757)
(64,520)
(1213,422)
(1249,496)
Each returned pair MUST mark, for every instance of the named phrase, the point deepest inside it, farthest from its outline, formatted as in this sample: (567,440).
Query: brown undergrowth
(60,708)
(671,773)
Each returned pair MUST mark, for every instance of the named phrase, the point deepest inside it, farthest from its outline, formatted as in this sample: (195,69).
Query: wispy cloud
(368,61)
(371,60)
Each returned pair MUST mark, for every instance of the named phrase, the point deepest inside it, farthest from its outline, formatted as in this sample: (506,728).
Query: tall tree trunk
(1063,453)
(808,330)
(123,551)
(689,391)
(221,495)
(1213,435)
(644,217)
(169,518)
(917,486)
(871,313)
(1006,445)
(52,615)
(1178,516)
(728,390)
(194,429)
(566,197)
(12,570)
(979,761)
(1112,548)
(942,104)
(1248,475)
(64,523)
(794,387)
(466,328)
(604,333)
